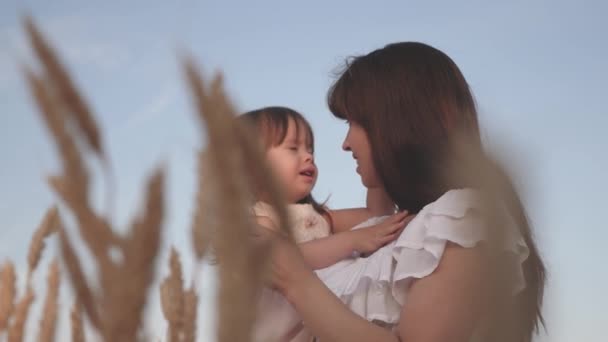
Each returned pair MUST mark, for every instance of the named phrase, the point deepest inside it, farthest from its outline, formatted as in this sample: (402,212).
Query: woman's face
(357,142)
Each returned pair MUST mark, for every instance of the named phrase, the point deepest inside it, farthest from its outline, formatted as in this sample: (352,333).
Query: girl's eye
(293,148)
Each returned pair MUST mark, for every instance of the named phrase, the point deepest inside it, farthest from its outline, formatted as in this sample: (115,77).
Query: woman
(410,112)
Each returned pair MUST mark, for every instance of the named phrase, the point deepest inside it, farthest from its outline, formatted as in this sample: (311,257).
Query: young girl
(323,235)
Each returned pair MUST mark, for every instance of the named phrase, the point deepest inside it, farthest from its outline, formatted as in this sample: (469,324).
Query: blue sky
(537,70)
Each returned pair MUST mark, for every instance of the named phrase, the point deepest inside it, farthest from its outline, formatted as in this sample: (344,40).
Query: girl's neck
(266,199)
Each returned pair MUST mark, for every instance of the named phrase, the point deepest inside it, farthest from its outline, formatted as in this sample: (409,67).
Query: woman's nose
(346,144)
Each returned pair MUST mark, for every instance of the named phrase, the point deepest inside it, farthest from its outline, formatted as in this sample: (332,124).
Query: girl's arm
(443,306)
(377,203)
(327,251)
(323,252)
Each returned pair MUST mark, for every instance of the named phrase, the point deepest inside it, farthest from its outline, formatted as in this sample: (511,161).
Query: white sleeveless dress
(376,287)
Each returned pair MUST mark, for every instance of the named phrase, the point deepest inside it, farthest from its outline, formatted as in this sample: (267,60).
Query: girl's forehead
(298,128)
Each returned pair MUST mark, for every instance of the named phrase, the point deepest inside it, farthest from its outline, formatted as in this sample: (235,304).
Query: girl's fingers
(399,216)
(393,228)
(388,238)
(404,221)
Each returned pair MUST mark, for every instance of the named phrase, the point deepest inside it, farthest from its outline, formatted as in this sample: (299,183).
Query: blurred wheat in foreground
(126,264)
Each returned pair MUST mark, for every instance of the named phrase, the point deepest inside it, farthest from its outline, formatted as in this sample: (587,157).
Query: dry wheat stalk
(55,122)
(47,226)
(204,222)
(78,279)
(95,230)
(172,298)
(116,311)
(64,85)
(235,309)
(126,293)
(74,192)
(76,322)
(7,293)
(49,312)
(189,320)
(227,160)
(15,331)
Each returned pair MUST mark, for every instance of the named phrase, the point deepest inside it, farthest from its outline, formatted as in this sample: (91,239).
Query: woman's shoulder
(456,203)
(460,217)
(456,216)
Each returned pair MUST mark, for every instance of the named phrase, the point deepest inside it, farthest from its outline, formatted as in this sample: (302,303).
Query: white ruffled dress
(376,287)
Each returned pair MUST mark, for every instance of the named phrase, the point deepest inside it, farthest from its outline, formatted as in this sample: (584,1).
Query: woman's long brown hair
(417,110)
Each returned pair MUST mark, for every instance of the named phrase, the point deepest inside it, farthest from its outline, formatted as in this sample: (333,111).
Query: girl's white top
(276,318)
(376,287)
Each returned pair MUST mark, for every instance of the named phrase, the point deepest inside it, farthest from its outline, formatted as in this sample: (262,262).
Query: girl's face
(357,142)
(293,163)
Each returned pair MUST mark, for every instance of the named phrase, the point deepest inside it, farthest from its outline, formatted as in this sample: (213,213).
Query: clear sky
(537,68)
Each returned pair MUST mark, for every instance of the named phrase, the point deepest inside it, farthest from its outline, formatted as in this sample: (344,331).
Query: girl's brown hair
(271,124)
(416,109)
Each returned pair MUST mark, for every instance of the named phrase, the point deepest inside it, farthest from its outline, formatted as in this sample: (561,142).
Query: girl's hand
(368,240)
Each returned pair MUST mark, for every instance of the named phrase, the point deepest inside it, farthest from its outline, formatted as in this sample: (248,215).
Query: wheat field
(112,304)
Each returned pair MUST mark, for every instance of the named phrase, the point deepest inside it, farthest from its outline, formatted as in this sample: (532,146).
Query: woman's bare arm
(446,305)
(443,306)
(322,312)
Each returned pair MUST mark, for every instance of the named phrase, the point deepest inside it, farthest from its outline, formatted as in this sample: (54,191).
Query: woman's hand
(370,239)
(288,269)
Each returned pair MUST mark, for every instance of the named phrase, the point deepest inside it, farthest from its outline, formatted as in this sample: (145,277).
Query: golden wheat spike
(8,292)
(47,226)
(49,312)
(203,217)
(95,230)
(76,322)
(15,331)
(78,109)
(54,120)
(126,287)
(190,315)
(74,192)
(172,298)
(78,279)
(52,104)
(232,245)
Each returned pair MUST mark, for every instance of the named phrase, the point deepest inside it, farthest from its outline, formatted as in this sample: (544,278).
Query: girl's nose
(309,156)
